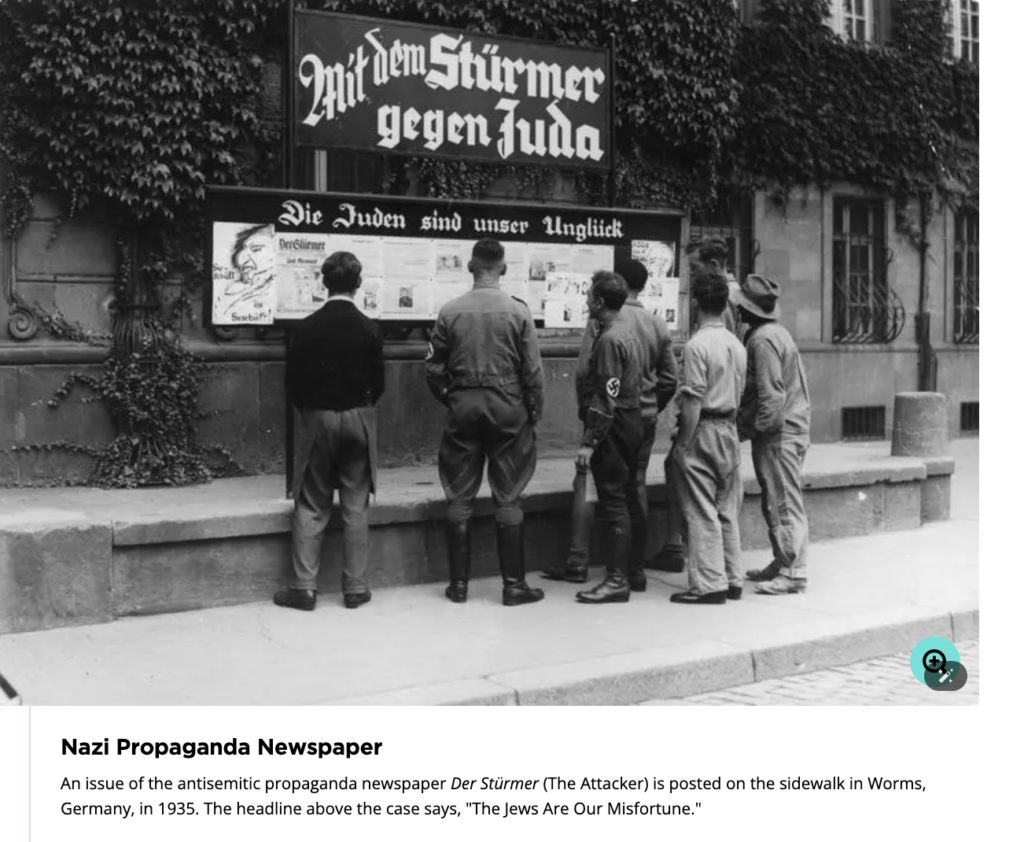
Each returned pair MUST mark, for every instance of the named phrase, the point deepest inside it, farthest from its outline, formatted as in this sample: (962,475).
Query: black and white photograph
(378,497)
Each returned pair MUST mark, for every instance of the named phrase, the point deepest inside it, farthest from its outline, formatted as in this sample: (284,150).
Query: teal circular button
(939,652)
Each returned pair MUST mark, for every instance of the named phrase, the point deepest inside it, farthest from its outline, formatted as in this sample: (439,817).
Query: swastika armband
(613,386)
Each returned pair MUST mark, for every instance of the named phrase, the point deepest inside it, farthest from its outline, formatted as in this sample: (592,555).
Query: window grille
(863,423)
(966,322)
(864,309)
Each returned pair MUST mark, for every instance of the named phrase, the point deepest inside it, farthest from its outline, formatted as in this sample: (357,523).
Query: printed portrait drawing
(405,297)
(253,257)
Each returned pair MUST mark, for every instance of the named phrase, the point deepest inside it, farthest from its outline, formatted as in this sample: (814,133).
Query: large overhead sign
(265,249)
(422,90)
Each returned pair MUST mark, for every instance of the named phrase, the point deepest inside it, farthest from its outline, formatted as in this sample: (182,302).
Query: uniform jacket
(486,338)
(335,361)
(775,400)
(659,369)
(613,377)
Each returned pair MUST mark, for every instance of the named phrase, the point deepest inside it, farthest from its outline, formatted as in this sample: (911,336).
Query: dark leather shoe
(570,573)
(638,582)
(735,592)
(354,600)
(615,588)
(294,598)
(765,574)
(457,591)
(519,593)
(687,598)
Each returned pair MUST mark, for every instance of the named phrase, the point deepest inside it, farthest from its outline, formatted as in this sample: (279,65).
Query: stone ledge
(424,501)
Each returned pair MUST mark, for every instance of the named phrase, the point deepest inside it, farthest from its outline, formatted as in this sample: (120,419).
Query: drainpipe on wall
(927,362)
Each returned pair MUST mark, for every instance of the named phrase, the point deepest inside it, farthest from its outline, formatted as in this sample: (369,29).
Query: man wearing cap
(334,374)
(483,364)
(705,455)
(659,377)
(775,415)
(613,432)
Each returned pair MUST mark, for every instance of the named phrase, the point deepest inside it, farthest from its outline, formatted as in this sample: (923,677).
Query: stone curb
(688,669)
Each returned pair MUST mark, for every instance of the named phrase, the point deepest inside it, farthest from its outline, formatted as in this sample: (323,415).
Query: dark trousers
(492,426)
(614,465)
(339,458)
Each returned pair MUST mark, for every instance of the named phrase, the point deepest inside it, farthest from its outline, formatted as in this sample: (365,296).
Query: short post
(920,427)
(920,424)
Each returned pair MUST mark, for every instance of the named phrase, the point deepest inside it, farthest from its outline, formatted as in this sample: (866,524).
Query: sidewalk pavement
(869,597)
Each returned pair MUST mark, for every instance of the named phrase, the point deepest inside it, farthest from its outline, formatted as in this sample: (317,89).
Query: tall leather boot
(513,567)
(615,545)
(637,576)
(458,561)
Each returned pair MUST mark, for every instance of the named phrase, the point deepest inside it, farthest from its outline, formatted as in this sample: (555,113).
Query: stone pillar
(920,428)
(919,424)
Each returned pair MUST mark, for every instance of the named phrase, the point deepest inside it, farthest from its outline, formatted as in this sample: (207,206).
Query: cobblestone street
(884,681)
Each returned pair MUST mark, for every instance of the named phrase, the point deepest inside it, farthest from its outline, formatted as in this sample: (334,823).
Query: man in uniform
(659,376)
(705,456)
(613,433)
(483,364)
(707,256)
(334,375)
(776,416)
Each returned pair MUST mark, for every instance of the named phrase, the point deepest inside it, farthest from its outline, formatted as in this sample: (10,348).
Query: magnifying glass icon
(935,661)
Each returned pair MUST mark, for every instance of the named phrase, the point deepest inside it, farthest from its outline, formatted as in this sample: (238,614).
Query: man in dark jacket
(613,433)
(334,376)
(484,365)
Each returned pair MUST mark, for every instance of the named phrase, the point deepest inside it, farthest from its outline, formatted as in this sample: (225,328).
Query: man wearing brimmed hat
(483,364)
(776,416)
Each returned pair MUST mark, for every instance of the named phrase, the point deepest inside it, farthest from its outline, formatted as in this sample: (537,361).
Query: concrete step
(77,556)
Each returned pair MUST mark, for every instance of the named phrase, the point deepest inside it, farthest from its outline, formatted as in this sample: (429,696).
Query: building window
(732,220)
(865,21)
(863,423)
(970,417)
(864,309)
(964,41)
(966,255)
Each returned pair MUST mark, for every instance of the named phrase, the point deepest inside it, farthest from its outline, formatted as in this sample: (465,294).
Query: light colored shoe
(781,585)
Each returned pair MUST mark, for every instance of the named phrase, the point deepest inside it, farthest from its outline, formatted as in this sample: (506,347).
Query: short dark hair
(711,293)
(342,271)
(633,272)
(488,254)
(611,288)
(708,249)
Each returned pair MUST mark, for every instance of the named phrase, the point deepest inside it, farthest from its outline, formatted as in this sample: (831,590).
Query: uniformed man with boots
(705,456)
(776,416)
(659,377)
(483,364)
(613,433)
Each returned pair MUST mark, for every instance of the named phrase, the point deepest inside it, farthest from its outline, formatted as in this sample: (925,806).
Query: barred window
(965,278)
(864,309)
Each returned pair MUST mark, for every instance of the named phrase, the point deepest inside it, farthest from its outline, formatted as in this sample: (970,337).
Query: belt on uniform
(706,415)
